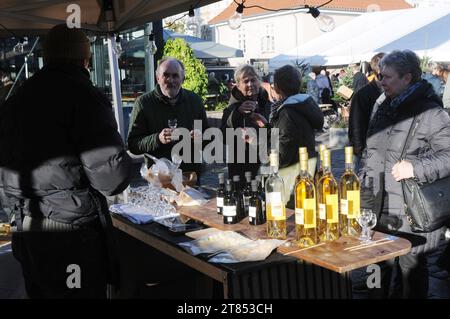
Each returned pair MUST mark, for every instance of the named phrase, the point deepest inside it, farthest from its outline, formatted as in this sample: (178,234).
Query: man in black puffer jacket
(60,154)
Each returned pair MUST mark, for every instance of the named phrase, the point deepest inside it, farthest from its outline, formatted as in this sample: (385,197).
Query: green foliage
(196,79)
(347,80)
(220,106)
(425,62)
(340,123)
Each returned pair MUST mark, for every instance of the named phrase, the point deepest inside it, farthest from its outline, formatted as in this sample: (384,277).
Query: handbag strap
(409,137)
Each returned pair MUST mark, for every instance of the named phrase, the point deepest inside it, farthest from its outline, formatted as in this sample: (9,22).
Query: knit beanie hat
(64,43)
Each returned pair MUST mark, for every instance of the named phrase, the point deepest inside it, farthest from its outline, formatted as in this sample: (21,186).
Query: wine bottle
(275,203)
(256,212)
(328,200)
(262,193)
(220,193)
(240,210)
(229,205)
(350,197)
(305,205)
(247,191)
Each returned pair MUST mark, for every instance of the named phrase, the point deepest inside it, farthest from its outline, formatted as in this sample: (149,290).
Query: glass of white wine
(367,220)
(173,123)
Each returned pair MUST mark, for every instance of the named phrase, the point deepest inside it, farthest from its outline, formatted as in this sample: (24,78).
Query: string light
(325,22)
(151,46)
(192,24)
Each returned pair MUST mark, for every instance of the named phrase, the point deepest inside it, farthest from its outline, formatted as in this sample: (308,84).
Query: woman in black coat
(427,158)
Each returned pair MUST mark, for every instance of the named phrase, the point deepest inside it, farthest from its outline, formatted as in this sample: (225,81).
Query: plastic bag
(191,197)
(213,243)
(252,251)
(164,173)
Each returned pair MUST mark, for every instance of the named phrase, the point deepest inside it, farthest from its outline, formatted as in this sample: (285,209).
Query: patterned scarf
(275,107)
(407,93)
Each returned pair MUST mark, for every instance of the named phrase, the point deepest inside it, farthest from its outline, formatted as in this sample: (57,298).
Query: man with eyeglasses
(149,130)
(361,109)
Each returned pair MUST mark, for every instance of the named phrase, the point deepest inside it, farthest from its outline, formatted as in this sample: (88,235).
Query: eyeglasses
(379,76)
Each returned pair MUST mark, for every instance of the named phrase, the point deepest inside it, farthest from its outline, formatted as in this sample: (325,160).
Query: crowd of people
(60,161)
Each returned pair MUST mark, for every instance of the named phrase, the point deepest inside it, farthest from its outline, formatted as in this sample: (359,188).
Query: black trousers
(53,263)
(403,277)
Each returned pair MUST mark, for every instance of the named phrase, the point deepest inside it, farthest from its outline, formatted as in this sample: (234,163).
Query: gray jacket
(429,153)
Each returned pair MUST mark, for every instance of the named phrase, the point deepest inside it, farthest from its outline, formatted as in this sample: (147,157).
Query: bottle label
(219,201)
(229,211)
(353,198)
(309,208)
(276,205)
(246,201)
(299,216)
(322,211)
(230,219)
(344,206)
(332,208)
(252,211)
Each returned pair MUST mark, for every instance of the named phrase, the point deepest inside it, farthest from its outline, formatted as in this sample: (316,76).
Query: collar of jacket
(238,97)
(160,96)
(413,99)
(296,99)
(71,69)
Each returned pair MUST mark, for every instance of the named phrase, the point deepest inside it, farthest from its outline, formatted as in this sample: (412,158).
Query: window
(268,39)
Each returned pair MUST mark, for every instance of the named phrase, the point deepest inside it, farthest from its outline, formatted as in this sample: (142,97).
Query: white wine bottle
(350,197)
(305,205)
(328,200)
(319,172)
(275,209)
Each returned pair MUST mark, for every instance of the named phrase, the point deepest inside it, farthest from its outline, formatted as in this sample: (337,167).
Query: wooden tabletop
(5,240)
(343,255)
(348,253)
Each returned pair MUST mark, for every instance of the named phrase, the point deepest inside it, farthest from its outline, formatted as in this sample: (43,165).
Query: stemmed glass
(172,123)
(367,220)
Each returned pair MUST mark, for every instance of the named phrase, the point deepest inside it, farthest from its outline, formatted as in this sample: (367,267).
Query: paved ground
(11,283)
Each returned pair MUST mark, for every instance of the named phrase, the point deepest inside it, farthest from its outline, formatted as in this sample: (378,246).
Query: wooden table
(322,271)
(340,256)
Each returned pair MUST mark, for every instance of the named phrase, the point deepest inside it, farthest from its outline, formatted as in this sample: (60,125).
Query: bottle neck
(274,169)
(326,170)
(349,167)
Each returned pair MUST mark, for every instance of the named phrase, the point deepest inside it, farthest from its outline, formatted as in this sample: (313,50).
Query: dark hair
(403,62)
(375,62)
(288,80)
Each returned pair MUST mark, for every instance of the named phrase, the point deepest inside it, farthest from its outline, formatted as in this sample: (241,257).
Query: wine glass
(172,123)
(367,220)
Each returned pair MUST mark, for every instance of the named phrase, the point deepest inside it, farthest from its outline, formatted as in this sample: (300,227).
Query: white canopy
(423,30)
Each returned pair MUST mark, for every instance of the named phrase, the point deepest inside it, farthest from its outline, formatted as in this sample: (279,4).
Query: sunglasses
(379,76)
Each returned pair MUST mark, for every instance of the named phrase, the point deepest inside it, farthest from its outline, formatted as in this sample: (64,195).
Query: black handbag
(427,206)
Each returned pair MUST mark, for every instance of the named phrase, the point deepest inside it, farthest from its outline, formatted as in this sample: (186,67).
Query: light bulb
(92,38)
(192,24)
(235,20)
(325,22)
(18,48)
(151,45)
(118,47)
